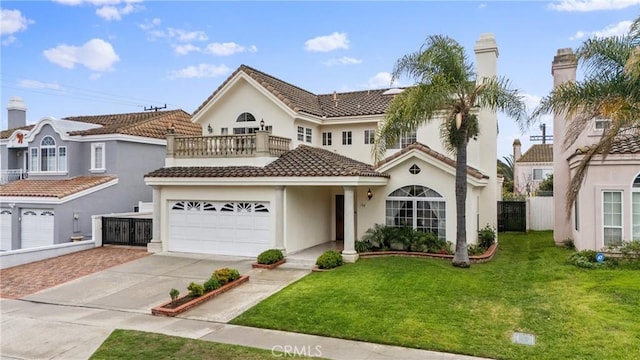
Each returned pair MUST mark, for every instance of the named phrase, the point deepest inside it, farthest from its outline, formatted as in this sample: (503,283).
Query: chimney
(517,152)
(16,113)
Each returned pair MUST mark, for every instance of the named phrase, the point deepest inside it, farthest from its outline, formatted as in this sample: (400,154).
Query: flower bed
(268,266)
(186,302)
(487,256)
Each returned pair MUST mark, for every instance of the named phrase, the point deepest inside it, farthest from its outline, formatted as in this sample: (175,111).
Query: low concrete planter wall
(164,311)
(17,257)
(487,256)
(268,266)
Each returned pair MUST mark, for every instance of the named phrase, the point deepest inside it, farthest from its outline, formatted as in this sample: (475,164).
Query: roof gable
(52,188)
(537,153)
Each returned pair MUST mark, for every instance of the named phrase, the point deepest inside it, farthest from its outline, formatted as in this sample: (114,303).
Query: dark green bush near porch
(270,256)
(486,236)
(225,275)
(385,238)
(329,259)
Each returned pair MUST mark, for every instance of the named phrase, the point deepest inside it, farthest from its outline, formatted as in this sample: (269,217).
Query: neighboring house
(532,167)
(607,210)
(280,167)
(58,173)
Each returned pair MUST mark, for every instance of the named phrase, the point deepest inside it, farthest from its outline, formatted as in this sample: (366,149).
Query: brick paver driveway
(23,280)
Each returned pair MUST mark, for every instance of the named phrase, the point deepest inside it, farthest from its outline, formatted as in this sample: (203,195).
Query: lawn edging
(268,266)
(164,311)
(487,256)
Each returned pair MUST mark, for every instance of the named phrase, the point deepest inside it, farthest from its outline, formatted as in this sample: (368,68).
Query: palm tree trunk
(461,257)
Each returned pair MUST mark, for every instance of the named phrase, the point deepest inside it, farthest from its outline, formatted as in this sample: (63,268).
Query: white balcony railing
(259,144)
(7,176)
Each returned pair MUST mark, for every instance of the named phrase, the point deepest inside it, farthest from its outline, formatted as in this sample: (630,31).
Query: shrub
(382,238)
(211,284)
(270,256)
(486,236)
(569,244)
(195,289)
(362,246)
(329,260)
(225,275)
(474,250)
(586,259)
(174,293)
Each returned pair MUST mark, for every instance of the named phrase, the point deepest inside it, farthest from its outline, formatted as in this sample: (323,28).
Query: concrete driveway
(139,285)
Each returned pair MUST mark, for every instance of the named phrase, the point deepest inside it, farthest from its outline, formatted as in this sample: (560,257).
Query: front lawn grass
(429,304)
(132,344)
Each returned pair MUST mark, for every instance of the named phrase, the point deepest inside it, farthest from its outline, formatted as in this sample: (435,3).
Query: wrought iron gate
(126,231)
(512,216)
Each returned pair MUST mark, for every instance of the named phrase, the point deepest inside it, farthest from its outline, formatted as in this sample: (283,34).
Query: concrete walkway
(70,321)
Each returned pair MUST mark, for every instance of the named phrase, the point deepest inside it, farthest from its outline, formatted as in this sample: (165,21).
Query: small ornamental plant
(329,260)
(270,256)
(195,289)
(211,284)
(174,293)
(225,275)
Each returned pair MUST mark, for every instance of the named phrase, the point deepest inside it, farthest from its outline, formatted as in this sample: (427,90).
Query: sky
(88,57)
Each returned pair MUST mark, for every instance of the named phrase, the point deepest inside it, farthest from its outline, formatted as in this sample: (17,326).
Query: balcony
(7,176)
(223,150)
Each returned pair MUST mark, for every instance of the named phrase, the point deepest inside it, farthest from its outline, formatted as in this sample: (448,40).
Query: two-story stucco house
(278,166)
(532,167)
(607,209)
(57,173)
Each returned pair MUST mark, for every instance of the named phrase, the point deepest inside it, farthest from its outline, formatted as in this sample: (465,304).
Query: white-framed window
(612,217)
(541,174)
(48,157)
(405,140)
(601,124)
(62,158)
(635,209)
(308,135)
(369,136)
(33,166)
(47,154)
(305,134)
(244,131)
(300,133)
(346,137)
(98,156)
(417,207)
(245,116)
(326,139)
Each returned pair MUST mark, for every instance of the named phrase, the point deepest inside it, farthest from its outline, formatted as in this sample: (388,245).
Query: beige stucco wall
(307,218)
(611,176)
(524,175)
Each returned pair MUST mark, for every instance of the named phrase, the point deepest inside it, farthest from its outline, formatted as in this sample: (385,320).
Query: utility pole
(544,137)
(155,108)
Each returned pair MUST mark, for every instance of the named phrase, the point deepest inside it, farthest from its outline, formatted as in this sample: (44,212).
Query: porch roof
(303,161)
(625,144)
(52,188)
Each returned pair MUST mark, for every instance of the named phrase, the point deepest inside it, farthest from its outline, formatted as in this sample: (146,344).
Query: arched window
(245,116)
(249,128)
(635,209)
(47,157)
(418,207)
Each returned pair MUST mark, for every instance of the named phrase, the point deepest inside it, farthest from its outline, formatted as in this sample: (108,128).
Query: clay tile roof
(146,124)
(5,134)
(304,161)
(538,153)
(625,144)
(368,102)
(427,150)
(52,188)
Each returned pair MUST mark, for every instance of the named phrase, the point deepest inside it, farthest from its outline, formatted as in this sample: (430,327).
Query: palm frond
(497,93)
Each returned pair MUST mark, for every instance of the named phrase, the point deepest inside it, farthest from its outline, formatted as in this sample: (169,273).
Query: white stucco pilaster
(155,246)
(349,253)
(279,211)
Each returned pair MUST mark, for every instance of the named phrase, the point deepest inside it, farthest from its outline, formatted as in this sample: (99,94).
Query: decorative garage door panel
(5,229)
(225,228)
(37,227)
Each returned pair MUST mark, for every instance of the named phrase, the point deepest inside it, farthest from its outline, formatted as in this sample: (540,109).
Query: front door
(339,217)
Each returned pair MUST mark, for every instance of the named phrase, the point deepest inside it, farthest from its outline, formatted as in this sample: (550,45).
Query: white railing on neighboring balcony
(259,144)
(10,175)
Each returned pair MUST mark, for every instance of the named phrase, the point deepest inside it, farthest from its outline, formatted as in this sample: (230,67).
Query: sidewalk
(72,332)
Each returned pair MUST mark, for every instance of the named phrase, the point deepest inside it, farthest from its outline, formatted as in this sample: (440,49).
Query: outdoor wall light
(369,194)
(209,129)
(261,124)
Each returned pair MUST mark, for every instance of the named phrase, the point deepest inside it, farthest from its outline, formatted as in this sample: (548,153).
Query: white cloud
(95,76)
(381,80)
(327,42)
(35,84)
(95,54)
(199,71)
(186,36)
(345,60)
(148,25)
(12,21)
(228,48)
(9,40)
(618,29)
(482,6)
(592,5)
(185,49)
(532,101)
(107,9)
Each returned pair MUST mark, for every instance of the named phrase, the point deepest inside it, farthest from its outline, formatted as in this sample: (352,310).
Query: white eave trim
(611,160)
(269,181)
(54,200)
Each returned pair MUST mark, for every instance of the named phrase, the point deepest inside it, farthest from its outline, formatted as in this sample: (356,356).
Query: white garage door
(225,228)
(37,227)
(5,229)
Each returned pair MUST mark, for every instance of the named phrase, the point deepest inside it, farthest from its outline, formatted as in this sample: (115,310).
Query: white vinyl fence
(540,213)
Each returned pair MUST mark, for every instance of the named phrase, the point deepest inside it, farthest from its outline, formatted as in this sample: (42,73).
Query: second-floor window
(541,174)
(326,139)
(405,140)
(97,156)
(346,138)
(369,136)
(304,134)
(48,157)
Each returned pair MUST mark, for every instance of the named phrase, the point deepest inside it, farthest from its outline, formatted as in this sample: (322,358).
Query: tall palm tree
(446,89)
(610,90)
